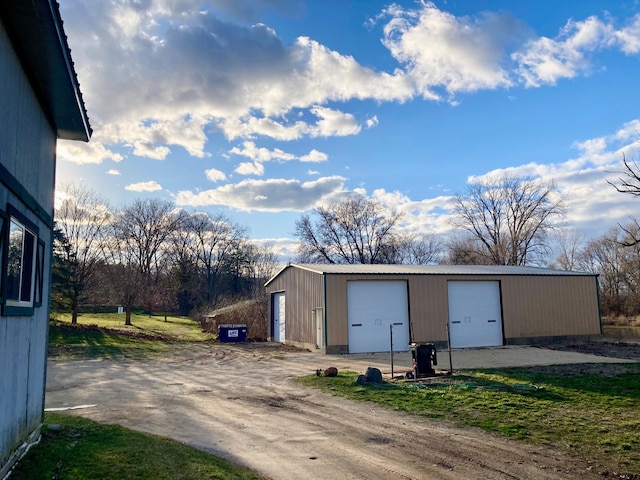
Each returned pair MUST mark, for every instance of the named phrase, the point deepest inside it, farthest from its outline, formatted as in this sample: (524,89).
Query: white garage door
(475,318)
(372,307)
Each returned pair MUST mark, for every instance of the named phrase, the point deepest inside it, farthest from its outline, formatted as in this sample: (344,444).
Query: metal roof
(36,33)
(383,269)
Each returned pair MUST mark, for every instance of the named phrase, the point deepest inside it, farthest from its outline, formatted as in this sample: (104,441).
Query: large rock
(331,372)
(361,380)
(373,375)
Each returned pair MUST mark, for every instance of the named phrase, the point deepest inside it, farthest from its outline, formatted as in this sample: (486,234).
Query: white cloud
(329,123)
(250,150)
(334,123)
(285,248)
(590,201)
(250,168)
(113,171)
(545,61)
(85,153)
(439,50)
(160,74)
(215,175)
(157,65)
(151,186)
(260,155)
(629,37)
(275,195)
(314,156)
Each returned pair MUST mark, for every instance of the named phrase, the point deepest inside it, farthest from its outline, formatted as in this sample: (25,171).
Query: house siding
(27,163)
(27,140)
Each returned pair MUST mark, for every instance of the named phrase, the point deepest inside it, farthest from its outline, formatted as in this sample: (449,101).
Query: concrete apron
(464,359)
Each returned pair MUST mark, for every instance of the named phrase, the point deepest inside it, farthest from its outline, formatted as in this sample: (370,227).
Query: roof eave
(37,34)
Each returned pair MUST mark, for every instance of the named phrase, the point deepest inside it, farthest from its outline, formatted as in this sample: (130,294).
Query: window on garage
(3,236)
(23,264)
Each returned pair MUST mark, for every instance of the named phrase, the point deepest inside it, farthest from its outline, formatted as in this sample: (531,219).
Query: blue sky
(265,109)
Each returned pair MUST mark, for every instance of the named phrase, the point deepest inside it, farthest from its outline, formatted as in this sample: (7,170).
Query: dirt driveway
(238,401)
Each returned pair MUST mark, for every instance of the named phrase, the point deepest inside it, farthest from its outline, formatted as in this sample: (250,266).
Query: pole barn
(352,308)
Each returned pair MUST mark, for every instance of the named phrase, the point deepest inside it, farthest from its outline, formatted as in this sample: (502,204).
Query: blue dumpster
(232,333)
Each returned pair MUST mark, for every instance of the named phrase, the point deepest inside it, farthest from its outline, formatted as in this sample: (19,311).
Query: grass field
(593,415)
(74,448)
(181,329)
(104,335)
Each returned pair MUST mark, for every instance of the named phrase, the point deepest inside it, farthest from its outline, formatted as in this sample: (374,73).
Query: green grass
(593,415)
(181,329)
(105,335)
(80,449)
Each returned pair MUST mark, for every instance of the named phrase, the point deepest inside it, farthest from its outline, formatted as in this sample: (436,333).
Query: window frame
(4,222)
(39,273)
(20,307)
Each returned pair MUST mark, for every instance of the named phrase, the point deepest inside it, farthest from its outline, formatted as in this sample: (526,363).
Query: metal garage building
(349,308)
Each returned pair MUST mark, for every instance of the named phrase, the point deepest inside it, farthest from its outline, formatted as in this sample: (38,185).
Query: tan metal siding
(336,309)
(550,306)
(428,308)
(303,293)
(533,306)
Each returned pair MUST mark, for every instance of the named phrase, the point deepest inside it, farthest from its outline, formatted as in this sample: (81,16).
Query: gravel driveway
(238,401)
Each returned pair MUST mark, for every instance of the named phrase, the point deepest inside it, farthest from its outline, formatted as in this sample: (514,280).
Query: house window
(23,273)
(3,224)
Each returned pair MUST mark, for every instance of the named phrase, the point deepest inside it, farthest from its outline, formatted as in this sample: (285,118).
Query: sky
(264,109)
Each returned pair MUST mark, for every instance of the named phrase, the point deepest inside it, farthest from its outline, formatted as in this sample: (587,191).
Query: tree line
(150,254)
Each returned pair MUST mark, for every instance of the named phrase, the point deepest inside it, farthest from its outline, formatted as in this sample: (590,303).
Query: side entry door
(279,320)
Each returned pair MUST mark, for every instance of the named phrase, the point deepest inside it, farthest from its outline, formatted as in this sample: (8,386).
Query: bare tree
(414,249)
(629,180)
(629,183)
(509,217)
(604,256)
(354,230)
(139,238)
(570,246)
(630,266)
(263,264)
(83,218)
(465,250)
(216,240)
(183,275)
